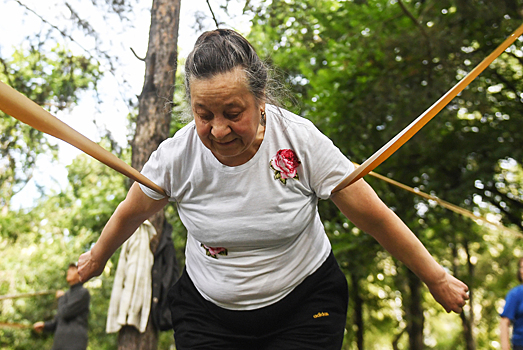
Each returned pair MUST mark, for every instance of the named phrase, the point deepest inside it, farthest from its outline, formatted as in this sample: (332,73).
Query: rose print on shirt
(284,164)
(214,251)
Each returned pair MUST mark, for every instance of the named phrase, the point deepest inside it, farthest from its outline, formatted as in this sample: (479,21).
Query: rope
(26,295)
(445,204)
(14,325)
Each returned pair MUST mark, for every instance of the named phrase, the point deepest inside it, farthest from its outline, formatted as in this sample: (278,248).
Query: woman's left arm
(362,206)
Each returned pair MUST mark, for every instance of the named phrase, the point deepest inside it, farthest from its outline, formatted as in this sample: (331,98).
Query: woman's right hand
(88,267)
(128,216)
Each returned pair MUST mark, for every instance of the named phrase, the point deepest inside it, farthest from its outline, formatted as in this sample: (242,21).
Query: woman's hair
(220,51)
(519,270)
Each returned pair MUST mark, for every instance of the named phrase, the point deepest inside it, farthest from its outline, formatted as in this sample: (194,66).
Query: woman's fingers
(452,294)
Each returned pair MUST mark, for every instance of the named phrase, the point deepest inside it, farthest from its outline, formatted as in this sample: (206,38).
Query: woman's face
(227,117)
(521,269)
(72,276)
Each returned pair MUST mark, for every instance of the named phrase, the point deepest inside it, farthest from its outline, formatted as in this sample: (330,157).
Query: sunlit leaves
(36,246)
(362,71)
(52,79)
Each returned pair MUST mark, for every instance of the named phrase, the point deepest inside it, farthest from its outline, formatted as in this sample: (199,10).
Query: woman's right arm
(128,216)
(504,333)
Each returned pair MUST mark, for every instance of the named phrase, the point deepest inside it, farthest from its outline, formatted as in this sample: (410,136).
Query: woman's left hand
(362,206)
(450,292)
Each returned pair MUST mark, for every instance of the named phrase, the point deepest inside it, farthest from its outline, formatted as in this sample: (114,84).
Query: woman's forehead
(228,89)
(234,76)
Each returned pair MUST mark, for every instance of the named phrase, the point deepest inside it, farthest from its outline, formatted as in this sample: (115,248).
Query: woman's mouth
(225,143)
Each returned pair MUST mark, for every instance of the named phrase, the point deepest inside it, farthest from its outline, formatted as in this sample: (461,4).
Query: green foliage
(38,244)
(362,71)
(53,80)
(37,261)
(96,190)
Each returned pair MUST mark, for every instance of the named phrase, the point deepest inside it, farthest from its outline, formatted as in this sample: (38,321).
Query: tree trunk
(153,123)
(414,313)
(358,310)
(129,338)
(466,321)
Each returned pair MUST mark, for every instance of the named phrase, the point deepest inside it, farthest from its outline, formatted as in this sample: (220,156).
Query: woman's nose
(220,129)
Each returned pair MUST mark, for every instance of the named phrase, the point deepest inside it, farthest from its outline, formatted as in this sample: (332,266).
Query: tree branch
(213,16)
(135,55)
(424,34)
(58,29)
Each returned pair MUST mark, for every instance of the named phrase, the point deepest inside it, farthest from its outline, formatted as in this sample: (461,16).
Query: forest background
(361,70)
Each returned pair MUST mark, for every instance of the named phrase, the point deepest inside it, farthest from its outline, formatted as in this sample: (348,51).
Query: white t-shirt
(271,230)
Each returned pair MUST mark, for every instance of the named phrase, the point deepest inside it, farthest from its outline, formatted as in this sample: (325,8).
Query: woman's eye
(232,115)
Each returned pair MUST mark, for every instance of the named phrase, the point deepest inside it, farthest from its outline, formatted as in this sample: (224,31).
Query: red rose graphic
(284,164)
(214,251)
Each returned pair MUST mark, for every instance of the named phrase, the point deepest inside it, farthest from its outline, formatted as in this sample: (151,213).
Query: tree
(153,122)
(361,70)
(158,87)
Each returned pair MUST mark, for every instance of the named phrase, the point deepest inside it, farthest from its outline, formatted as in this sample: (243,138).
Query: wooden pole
(22,108)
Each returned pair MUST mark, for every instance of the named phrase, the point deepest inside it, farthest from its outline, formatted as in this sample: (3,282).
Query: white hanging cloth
(130,302)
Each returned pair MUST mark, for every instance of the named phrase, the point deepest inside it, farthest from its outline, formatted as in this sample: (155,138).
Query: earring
(262,120)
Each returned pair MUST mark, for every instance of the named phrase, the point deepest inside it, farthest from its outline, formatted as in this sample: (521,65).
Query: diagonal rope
(445,204)
(403,136)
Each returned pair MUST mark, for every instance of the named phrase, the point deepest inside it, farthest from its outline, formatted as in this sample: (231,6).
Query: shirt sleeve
(50,326)
(328,166)
(165,166)
(511,305)
(155,170)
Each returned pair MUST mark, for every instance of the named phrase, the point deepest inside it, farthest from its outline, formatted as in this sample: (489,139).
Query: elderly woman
(246,177)
(513,315)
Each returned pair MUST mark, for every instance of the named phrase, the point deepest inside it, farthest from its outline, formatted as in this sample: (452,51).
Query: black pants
(312,316)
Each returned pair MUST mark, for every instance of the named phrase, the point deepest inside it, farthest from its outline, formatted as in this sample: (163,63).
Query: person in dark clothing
(70,323)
